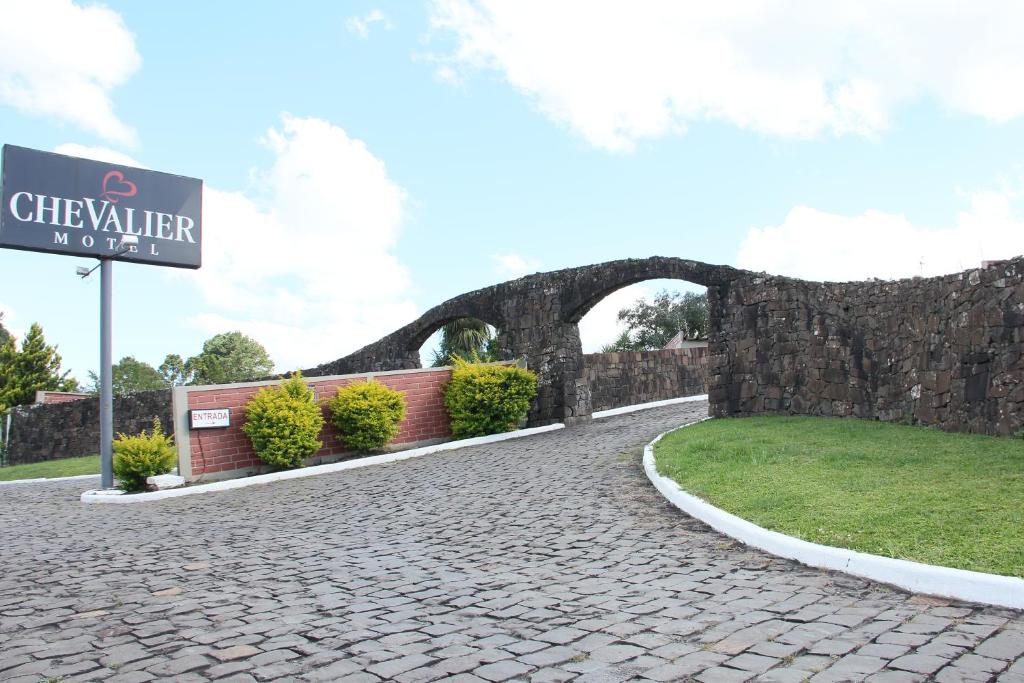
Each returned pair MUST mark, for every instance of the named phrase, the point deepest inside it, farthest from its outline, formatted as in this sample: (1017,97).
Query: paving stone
(923,664)
(273,657)
(895,677)
(720,674)
(613,654)
(551,675)
(180,665)
(502,671)
(884,651)
(562,635)
(1006,646)
(549,657)
(235,652)
(131,677)
(393,667)
(751,662)
(228,669)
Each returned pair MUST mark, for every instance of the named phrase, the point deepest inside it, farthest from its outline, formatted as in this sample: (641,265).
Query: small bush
(366,414)
(488,399)
(142,456)
(283,423)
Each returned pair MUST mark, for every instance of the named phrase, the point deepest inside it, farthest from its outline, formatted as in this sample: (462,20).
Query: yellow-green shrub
(366,414)
(283,423)
(141,456)
(488,399)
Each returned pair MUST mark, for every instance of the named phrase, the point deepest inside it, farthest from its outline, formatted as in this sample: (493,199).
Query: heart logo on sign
(115,186)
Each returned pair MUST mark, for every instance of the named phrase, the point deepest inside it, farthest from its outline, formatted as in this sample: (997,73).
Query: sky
(365,161)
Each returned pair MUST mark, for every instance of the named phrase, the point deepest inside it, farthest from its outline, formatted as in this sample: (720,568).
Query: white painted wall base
(51,480)
(646,406)
(959,584)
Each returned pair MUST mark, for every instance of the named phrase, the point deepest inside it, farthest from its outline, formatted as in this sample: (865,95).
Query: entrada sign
(65,205)
(208,418)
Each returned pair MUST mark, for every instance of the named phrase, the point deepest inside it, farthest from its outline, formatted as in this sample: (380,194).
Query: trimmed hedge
(366,414)
(145,455)
(487,399)
(283,423)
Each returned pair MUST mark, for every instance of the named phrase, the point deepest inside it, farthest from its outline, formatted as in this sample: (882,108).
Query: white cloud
(110,156)
(817,245)
(303,264)
(513,265)
(616,73)
(360,26)
(61,59)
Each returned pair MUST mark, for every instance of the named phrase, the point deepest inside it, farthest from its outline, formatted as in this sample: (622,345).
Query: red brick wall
(219,450)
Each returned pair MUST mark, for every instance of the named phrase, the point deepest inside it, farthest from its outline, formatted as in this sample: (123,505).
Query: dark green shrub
(366,414)
(141,456)
(488,399)
(283,423)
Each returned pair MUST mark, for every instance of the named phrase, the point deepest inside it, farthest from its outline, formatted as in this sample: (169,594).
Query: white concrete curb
(645,406)
(108,497)
(51,480)
(960,584)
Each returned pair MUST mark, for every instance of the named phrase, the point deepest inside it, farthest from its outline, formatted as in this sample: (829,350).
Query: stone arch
(427,327)
(595,283)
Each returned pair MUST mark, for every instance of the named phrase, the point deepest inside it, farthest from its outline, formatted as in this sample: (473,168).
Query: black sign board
(65,205)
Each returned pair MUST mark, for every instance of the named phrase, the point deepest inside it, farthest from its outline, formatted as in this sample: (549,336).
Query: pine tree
(35,367)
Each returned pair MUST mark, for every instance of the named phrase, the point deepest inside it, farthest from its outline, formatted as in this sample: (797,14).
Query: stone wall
(943,351)
(627,378)
(63,430)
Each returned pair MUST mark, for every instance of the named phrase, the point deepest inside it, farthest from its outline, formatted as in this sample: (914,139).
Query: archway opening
(646,342)
(649,314)
(465,337)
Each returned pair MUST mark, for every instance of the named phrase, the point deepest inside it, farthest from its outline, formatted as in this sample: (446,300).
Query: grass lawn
(67,467)
(906,492)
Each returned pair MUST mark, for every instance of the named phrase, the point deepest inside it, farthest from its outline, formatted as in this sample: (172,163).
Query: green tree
(466,338)
(650,326)
(228,357)
(131,376)
(172,370)
(34,367)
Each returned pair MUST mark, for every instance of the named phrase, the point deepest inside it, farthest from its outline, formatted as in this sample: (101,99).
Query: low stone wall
(221,453)
(945,351)
(68,429)
(627,378)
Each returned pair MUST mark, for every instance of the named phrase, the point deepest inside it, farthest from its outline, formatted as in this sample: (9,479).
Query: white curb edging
(49,480)
(960,584)
(645,406)
(106,497)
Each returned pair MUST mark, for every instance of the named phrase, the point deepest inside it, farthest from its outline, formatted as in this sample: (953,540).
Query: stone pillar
(532,329)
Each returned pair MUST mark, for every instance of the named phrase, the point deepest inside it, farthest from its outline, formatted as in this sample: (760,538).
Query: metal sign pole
(106,379)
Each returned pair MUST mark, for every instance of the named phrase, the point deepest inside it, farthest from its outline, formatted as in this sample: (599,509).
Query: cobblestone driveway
(549,558)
